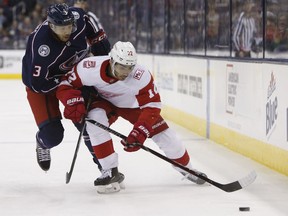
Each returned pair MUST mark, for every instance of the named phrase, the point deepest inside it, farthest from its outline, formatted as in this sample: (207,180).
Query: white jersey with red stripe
(137,90)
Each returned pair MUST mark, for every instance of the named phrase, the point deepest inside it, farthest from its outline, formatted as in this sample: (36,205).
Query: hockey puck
(244,208)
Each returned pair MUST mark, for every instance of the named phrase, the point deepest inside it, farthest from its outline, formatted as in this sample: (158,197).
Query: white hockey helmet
(123,53)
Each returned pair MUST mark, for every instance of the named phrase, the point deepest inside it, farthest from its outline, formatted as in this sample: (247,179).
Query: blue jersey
(46,58)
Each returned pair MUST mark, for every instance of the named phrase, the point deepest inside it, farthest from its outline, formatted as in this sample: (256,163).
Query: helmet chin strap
(113,68)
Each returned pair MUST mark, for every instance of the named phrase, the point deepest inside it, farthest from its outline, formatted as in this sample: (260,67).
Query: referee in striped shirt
(245,31)
(94,19)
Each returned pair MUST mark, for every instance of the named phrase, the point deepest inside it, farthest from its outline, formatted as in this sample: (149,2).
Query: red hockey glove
(138,135)
(112,117)
(74,106)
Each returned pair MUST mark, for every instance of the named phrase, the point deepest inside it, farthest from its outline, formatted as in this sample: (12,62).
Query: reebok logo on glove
(72,101)
(136,137)
(145,130)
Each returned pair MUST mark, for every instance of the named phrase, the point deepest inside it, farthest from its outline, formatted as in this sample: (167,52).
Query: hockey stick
(69,174)
(230,187)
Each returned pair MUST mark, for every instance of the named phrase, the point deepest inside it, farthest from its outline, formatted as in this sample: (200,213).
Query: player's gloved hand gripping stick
(138,135)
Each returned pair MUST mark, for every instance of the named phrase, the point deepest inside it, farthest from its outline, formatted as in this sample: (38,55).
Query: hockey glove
(112,117)
(138,135)
(100,45)
(74,106)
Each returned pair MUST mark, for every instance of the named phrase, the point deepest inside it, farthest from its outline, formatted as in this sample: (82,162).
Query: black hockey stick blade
(230,187)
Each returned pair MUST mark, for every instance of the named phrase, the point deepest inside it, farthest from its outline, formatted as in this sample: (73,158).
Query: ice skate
(194,178)
(43,155)
(191,177)
(110,181)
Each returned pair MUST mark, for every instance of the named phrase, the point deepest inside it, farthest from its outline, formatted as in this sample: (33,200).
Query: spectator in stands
(3,18)
(38,15)
(5,40)
(213,20)
(195,24)
(24,29)
(7,13)
(281,35)
(271,28)
(14,33)
(175,23)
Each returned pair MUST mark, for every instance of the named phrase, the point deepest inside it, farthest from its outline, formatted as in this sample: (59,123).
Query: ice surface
(153,187)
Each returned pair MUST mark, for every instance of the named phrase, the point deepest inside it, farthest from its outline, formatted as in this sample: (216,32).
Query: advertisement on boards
(11,61)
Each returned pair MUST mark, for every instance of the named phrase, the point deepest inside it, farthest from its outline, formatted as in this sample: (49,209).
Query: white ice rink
(153,187)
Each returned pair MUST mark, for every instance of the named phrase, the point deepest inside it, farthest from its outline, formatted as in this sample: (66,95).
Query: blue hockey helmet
(60,15)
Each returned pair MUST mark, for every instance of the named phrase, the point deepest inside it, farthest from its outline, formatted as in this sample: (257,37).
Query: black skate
(193,178)
(111,181)
(43,155)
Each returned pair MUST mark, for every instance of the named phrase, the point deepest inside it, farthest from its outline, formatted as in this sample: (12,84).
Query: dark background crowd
(18,19)
(180,27)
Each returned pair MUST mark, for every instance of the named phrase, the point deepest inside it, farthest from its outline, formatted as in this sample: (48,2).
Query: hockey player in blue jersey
(53,48)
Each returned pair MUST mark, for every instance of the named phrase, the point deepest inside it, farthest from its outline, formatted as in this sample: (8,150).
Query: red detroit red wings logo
(89,64)
(138,74)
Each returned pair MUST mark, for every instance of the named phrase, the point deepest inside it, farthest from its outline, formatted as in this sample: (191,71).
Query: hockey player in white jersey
(126,89)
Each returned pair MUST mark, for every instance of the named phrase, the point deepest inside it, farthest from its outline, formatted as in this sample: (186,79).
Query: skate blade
(122,185)
(108,189)
(197,180)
